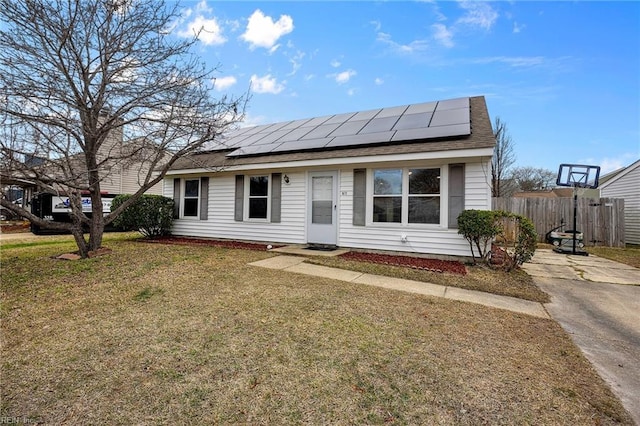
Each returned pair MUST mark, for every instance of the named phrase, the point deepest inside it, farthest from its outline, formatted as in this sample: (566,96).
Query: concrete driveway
(597,301)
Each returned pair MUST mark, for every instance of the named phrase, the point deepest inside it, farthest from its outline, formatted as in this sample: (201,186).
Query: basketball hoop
(580,177)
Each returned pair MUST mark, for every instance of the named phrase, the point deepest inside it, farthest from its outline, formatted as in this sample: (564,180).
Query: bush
(518,238)
(152,215)
(479,228)
(513,233)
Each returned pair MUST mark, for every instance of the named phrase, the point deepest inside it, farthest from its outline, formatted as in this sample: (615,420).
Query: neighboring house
(625,184)
(387,179)
(122,175)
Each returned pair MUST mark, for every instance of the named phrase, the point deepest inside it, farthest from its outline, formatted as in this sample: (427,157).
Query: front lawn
(157,334)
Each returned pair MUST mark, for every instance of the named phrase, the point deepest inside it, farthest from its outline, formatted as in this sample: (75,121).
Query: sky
(563,76)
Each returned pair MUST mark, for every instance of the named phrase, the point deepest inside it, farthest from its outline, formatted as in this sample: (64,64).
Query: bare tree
(533,179)
(75,74)
(503,158)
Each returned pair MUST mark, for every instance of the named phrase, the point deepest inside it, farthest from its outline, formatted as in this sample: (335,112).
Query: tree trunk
(78,235)
(96,227)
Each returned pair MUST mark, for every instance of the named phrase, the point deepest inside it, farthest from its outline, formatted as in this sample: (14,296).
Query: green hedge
(152,215)
(481,228)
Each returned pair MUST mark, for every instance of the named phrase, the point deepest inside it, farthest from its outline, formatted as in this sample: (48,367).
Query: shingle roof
(346,135)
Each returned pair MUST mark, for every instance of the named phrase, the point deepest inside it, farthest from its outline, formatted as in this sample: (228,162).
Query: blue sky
(564,76)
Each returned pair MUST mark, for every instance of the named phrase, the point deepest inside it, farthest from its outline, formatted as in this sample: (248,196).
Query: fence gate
(600,220)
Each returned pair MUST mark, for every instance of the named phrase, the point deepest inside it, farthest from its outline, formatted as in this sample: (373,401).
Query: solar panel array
(429,120)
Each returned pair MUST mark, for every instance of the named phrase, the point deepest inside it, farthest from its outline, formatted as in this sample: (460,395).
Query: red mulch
(208,243)
(421,263)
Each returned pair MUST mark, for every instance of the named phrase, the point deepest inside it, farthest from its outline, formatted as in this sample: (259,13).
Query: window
(191,197)
(424,196)
(387,195)
(258,197)
(406,196)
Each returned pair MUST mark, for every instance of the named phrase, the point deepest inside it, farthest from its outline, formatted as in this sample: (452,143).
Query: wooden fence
(600,220)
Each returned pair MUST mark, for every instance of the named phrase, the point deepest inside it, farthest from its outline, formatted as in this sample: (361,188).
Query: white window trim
(184,197)
(247,187)
(404,221)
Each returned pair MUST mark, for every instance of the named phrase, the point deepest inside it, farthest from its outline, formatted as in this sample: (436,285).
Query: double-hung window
(406,196)
(424,196)
(258,197)
(191,197)
(387,195)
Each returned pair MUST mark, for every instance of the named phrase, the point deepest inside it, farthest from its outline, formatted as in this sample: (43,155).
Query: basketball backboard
(578,176)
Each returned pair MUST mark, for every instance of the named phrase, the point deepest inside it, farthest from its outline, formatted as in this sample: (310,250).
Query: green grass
(158,334)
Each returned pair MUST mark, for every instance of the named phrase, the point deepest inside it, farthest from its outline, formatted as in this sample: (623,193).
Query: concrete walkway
(296,264)
(597,302)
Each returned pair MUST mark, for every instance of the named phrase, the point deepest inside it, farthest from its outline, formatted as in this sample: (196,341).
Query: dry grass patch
(515,284)
(155,334)
(629,255)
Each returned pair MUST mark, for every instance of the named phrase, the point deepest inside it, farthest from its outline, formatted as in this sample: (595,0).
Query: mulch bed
(208,243)
(433,265)
(421,263)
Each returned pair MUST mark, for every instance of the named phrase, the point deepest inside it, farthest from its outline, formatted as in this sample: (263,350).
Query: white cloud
(223,83)
(208,30)
(296,62)
(262,31)
(442,35)
(517,28)
(266,84)
(351,92)
(344,76)
(608,165)
(513,61)
(413,47)
(378,81)
(335,63)
(478,14)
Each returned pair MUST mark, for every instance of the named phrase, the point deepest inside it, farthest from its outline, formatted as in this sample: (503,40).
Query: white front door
(322,209)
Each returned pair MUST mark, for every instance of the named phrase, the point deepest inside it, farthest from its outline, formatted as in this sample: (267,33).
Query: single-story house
(391,179)
(625,183)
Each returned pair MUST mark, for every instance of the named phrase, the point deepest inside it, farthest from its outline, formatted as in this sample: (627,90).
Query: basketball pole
(575,216)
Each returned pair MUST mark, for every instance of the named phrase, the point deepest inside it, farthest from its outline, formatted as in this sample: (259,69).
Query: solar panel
(291,125)
(413,121)
(391,112)
(418,108)
(340,118)
(429,120)
(302,145)
(364,139)
(254,149)
(365,115)
(296,134)
(321,131)
(273,136)
(453,104)
(349,128)
(432,132)
(380,124)
(450,116)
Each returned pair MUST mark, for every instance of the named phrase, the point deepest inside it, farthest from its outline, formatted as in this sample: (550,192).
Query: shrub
(513,233)
(479,228)
(518,238)
(152,215)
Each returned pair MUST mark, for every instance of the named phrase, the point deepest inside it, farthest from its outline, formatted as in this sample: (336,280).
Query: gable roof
(618,174)
(449,125)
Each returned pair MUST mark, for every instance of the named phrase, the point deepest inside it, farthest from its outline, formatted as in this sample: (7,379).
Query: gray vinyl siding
(221,221)
(128,182)
(477,186)
(436,240)
(627,187)
(432,240)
